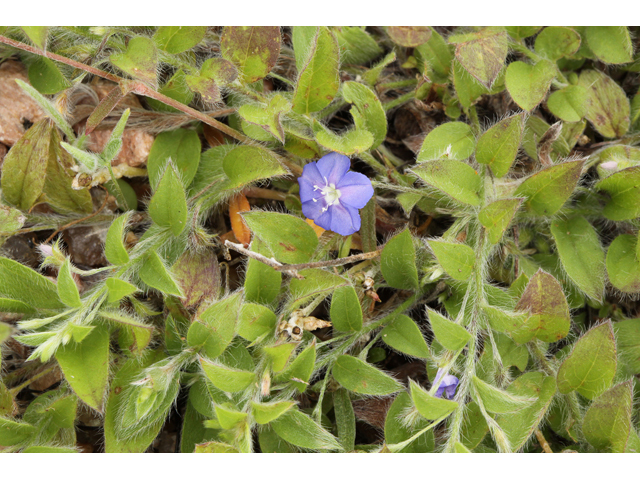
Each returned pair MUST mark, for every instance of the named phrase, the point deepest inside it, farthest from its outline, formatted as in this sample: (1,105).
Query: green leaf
(608,423)
(409,36)
(225,378)
(497,216)
(519,33)
(215,327)
(114,248)
(175,88)
(155,274)
(279,355)
(267,117)
(360,377)
(356,45)
(456,179)
(467,88)
(319,78)
(24,167)
(430,407)
(14,433)
(261,282)
(482,53)
(474,425)
(610,44)
(86,366)
(38,35)
(499,145)
(178,39)
(20,283)
(214,73)
(254,50)
(255,321)
(591,365)
(569,104)
(529,84)
(316,282)
(67,288)
(624,189)
(452,140)
(290,238)
(300,369)
(403,335)
(299,429)
(549,319)
(11,220)
(264,413)
(46,449)
(229,417)
(351,142)
(623,266)
(456,259)
(499,401)
(449,334)
(168,206)
(182,147)
(395,430)
(548,190)
(581,254)
(346,311)
(139,60)
(628,342)
(198,276)
(608,108)
(246,164)
(14,306)
(519,426)
(345,419)
(553,43)
(398,262)
(367,111)
(46,77)
(436,54)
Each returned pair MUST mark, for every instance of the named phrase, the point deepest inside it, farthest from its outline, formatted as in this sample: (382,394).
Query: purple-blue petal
(440,391)
(450,391)
(355,189)
(313,210)
(309,179)
(333,167)
(342,220)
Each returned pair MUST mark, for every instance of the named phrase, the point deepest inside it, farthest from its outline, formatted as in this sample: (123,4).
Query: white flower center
(330,193)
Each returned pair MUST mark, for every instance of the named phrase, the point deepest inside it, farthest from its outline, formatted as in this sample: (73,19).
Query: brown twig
(543,442)
(79,220)
(292,269)
(15,390)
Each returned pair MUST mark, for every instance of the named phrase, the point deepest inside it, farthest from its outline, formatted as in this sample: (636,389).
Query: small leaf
(198,276)
(456,259)
(225,378)
(456,179)
(554,43)
(215,327)
(403,335)
(279,355)
(267,117)
(628,342)
(499,401)
(449,334)
(591,365)
(409,36)
(569,104)
(168,206)
(608,108)
(367,111)
(264,413)
(182,147)
(178,39)
(497,216)
(436,54)
(114,248)
(548,190)
(299,429)
(499,145)
(246,164)
(351,142)
(46,77)
(139,60)
(395,431)
(175,88)
(300,369)
(608,423)
(67,288)
(581,254)
(360,377)
(254,50)
(261,282)
(482,53)
(623,266)
(319,78)
(346,311)
(452,140)
(14,433)
(624,189)
(86,366)
(398,262)
(529,84)
(21,283)
(610,44)
(11,220)
(38,35)
(228,417)
(290,238)
(155,274)
(430,407)
(214,73)
(255,321)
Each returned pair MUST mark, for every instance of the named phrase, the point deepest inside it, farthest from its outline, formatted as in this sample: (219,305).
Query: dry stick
(71,224)
(293,268)
(543,441)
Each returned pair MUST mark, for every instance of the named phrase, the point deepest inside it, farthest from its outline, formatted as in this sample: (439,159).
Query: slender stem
(407,97)
(70,224)
(15,390)
(543,441)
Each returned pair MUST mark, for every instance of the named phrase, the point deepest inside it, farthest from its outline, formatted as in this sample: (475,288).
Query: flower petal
(333,166)
(355,189)
(342,220)
(309,179)
(313,210)
(450,391)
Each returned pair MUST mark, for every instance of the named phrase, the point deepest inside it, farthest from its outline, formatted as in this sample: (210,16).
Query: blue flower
(447,386)
(331,194)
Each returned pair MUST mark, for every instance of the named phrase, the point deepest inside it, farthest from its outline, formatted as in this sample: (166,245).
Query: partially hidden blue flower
(331,194)
(447,386)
